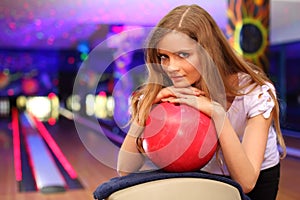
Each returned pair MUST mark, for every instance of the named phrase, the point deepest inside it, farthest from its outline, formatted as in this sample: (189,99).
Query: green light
(84,56)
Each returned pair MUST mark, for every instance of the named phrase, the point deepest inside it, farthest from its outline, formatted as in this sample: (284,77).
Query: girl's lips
(176,77)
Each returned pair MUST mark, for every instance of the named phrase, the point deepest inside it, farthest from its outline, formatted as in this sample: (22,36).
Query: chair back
(160,185)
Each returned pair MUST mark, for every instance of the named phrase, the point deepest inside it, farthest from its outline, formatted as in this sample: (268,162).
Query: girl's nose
(172,66)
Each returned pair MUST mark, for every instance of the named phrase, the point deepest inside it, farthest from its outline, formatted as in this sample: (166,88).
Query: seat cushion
(115,184)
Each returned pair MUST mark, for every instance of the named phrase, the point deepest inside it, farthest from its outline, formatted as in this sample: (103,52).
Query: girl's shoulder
(250,88)
(256,98)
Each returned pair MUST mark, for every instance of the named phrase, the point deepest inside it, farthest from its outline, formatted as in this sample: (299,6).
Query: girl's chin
(181,85)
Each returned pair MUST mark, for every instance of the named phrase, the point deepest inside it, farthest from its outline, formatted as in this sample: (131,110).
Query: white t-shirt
(244,107)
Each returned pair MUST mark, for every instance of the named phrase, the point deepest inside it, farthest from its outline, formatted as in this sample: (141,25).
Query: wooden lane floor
(290,173)
(92,173)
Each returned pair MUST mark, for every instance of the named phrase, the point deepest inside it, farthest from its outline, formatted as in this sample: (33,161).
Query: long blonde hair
(199,25)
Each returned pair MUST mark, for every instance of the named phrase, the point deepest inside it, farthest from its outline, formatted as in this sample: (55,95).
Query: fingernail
(197,92)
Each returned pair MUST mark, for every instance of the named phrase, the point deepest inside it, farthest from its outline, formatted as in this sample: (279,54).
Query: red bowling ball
(179,138)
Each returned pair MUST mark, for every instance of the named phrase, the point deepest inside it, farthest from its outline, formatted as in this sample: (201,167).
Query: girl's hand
(171,92)
(190,96)
(200,102)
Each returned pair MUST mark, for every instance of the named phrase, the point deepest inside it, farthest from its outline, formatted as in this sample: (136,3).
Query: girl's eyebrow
(174,52)
(183,50)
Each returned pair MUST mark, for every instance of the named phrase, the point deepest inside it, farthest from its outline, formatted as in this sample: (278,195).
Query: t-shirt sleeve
(259,101)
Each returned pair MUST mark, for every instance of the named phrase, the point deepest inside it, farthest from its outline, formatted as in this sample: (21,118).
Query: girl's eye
(162,57)
(183,55)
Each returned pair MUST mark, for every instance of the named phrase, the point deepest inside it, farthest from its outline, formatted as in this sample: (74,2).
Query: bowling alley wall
(25,74)
(42,79)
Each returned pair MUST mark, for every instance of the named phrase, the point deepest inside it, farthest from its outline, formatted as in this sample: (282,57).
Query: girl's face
(179,58)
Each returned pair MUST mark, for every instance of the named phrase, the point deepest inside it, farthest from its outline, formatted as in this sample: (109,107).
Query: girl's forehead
(175,41)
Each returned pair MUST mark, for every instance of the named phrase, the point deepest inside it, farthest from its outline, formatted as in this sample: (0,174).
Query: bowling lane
(7,174)
(90,171)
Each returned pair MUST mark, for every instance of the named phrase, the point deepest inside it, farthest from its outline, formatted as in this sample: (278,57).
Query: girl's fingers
(164,93)
(169,99)
(170,93)
(187,91)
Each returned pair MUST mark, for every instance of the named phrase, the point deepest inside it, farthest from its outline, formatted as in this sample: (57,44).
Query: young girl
(190,62)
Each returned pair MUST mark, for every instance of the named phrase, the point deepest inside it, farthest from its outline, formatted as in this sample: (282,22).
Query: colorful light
(16,144)
(248,29)
(71,60)
(39,107)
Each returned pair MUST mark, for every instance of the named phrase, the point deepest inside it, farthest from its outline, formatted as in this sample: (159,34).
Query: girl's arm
(130,159)
(243,159)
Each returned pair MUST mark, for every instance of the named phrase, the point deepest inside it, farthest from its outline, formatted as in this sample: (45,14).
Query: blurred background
(43,43)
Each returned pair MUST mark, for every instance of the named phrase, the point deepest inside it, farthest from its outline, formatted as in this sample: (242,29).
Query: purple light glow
(20,20)
(62,23)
